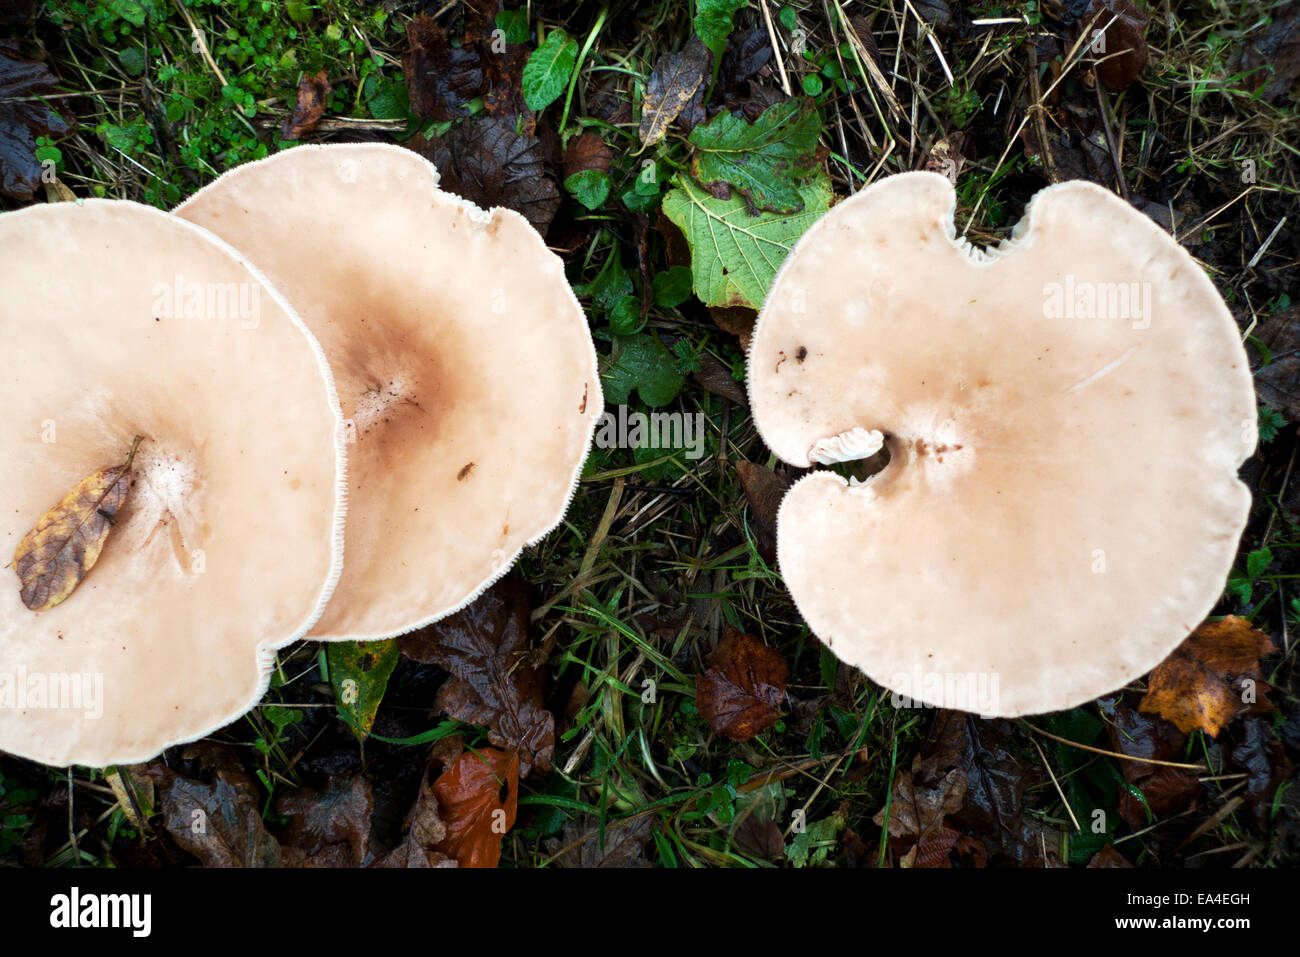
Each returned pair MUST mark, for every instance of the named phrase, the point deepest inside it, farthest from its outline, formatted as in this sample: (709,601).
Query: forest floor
(637,606)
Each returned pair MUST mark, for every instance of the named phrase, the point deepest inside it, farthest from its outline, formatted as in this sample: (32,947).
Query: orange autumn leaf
(1211,678)
(478,797)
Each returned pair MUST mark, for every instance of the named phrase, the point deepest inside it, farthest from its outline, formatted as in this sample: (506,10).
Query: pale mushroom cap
(1061,507)
(461,355)
(228,544)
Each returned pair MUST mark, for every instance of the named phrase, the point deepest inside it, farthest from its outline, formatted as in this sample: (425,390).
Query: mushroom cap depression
(463,361)
(1065,416)
(119,320)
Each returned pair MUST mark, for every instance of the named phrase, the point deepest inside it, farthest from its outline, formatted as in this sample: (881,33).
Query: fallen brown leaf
(310,107)
(331,827)
(1166,790)
(587,151)
(990,819)
(440,78)
(56,555)
(488,162)
(764,489)
(917,812)
(1272,54)
(494,682)
(1278,383)
(674,82)
(714,376)
(219,823)
(477,801)
(425,830)
(1109,857)
(1125,54)
(1207,680)
(1264,760)
(740,691)
(622,844)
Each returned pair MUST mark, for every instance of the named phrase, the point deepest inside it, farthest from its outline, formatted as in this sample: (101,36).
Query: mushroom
(465,367)
(121,321)
(1064,414)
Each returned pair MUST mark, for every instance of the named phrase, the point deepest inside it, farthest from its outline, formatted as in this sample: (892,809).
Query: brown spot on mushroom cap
(214,561)
(454,337)
(1085,508)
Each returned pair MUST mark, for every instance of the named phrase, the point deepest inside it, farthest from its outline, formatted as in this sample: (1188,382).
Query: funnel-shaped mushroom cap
(119,320)
(464,364)
(1065,417)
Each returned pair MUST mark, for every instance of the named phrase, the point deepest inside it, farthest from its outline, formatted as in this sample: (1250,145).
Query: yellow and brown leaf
(54,557)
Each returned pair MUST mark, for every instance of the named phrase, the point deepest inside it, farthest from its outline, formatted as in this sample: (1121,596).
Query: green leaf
(1258,561)
(788,18)
(812,84)
(548,69)
(1270,421)
(589,187)
(386,99)
(359,672)
(611,284)
(734,255)
(132,60)
(672,287)
(763,159)
(514,24)
(625,316)
(713,21)
(641,363)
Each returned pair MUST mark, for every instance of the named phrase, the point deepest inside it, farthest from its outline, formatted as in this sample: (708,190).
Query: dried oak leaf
(219,823)
(310,107)
(1210,678)
(22,119)
(487,162)
(494,683)
(57,554)
(622,843)
(764,489)
(1125,53)
(478,797)
(330,827)
(675,81)
(744,684)
(425,830)
(1165,790)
